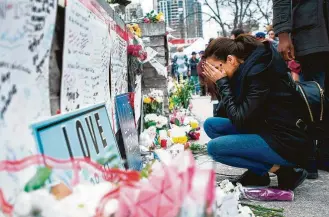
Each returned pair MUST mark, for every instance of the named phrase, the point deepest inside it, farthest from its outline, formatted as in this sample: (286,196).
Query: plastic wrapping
(266,194)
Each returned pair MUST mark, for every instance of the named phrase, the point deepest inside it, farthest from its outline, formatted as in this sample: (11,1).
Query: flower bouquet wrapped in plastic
(169,189)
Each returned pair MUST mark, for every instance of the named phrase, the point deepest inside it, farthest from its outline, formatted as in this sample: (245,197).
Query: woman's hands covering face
(212,73)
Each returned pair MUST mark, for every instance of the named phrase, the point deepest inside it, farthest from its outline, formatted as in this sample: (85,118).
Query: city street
(311,198)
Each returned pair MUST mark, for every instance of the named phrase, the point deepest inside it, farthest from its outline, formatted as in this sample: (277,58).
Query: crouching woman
(260,133)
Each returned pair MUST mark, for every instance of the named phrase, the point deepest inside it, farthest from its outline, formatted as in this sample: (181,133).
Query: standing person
(194,61)
(272,38)
(181,64)
(236,32)
(260,132)
(303,30)
(260,36)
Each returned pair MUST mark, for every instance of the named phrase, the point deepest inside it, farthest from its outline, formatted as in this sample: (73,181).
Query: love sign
(83,133)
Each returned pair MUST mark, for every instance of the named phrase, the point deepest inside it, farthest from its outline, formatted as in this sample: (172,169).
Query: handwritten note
(87,48)
(119,69)
(26,32)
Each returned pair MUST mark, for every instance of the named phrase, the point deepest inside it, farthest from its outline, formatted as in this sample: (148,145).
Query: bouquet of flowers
(167,188)
(153,102)
(153,17)
(180,96)
(135,29)
(159,121)
(136,50)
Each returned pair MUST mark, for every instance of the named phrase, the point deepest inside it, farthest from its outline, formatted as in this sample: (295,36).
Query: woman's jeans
(232,148)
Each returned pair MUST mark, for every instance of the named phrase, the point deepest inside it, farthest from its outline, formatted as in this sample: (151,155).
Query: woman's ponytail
(241,47)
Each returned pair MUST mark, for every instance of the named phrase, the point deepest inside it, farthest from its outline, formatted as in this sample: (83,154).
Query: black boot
(251,179)
(311,167)
(323,155)
(290,178)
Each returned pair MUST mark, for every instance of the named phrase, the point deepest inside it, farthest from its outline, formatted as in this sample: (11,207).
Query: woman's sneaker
(290,178)
(251,179)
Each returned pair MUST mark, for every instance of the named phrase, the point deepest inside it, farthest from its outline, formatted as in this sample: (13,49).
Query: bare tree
(265,10)
(240,10)
(245,14)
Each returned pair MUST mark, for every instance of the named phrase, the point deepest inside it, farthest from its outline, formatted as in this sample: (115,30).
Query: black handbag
(315,118)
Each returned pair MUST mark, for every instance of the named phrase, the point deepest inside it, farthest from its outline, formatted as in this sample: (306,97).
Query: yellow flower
(171,106)
(180,140)
(159,16)
(147,100)
(194,124)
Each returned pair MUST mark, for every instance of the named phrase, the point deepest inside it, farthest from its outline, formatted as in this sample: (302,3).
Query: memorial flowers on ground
(153,103)
(163,188)
(180,95)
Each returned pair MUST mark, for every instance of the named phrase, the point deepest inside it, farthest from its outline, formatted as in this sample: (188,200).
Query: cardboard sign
(83,133)
(129,131)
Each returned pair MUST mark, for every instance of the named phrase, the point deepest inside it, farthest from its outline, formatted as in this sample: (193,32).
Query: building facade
(194,22)
(184,16)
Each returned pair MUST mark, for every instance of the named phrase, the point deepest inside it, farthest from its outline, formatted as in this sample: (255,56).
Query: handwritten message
(119,70)
(87,48)
(26,32)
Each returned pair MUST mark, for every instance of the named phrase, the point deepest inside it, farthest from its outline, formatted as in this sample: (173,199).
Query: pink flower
(146,20)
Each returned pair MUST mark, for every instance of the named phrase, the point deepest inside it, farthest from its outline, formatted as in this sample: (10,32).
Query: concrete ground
(311,198)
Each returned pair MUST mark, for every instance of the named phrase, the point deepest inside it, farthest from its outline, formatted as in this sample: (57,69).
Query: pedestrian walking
(193,73)
(181,65)
(303,31)
(260,133)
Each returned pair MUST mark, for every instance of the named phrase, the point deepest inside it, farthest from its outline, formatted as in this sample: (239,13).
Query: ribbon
(109,174)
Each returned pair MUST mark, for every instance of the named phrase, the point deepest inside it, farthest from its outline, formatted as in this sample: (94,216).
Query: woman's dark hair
(220,48)
(237,32)
(241,47)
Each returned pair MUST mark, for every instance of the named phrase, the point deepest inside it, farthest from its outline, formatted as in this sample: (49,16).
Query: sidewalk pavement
(311,198)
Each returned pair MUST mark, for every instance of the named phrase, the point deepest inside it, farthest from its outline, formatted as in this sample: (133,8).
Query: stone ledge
(153,29)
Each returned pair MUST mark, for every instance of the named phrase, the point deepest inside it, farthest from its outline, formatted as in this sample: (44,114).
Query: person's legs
(247,151)
(216,127)
(250,151)
(315,67)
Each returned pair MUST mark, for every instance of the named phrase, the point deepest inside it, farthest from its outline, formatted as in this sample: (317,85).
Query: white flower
(23,205)
(245,211)
(161,122)
(177,132)
(152,131)
(150,117)
(145,140)
(159,99)
(227,201)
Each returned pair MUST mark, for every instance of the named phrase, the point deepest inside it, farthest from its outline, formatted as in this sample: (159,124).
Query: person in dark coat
(260,132)
(193,73)
(303,30)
